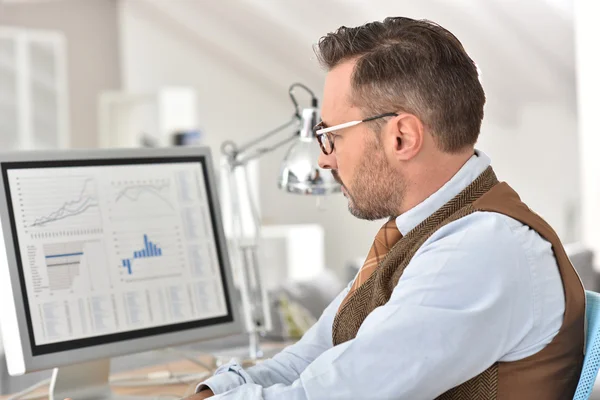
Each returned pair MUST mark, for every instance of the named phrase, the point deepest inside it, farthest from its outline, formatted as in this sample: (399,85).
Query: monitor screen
(111,250)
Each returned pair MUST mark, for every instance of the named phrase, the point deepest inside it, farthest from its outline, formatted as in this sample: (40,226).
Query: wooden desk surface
(168,391)
(164,391)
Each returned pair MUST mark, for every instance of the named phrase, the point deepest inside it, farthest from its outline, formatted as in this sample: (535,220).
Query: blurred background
(130,73)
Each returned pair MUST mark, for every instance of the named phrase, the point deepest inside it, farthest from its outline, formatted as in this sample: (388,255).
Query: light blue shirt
(482,289)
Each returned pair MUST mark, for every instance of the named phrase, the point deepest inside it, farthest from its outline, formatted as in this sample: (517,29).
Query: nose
(327,161)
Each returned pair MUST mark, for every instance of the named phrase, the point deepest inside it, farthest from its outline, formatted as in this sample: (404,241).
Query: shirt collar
(463,178)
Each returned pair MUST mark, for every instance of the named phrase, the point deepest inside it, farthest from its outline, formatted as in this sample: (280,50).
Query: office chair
(591,363)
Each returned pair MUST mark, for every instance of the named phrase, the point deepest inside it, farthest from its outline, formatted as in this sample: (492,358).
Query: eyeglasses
(323,133)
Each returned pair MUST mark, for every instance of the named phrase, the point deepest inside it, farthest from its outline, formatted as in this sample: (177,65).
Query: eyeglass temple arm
(352,123)
(390,114)
(337,127)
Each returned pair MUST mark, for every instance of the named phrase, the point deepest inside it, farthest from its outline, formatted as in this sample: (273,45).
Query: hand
(205,394)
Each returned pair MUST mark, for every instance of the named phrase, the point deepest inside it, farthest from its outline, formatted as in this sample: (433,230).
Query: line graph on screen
(149,198)
(59,203)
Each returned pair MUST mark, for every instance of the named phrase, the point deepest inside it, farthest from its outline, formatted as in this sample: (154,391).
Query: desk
(168,391)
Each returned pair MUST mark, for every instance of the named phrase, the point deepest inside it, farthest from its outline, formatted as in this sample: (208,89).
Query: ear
(405,137)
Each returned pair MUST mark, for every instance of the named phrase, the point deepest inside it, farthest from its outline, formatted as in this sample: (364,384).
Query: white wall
(537,155)
(91,31)
(588,82)
(530,136)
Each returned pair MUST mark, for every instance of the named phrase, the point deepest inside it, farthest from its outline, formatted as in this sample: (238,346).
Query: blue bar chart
(150,250)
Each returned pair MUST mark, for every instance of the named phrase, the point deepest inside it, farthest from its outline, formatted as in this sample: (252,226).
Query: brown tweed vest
(552,373)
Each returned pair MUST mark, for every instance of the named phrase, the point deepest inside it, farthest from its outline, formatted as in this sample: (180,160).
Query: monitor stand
(86,381)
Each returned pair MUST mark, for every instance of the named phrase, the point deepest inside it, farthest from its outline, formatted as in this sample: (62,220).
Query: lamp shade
(300,171)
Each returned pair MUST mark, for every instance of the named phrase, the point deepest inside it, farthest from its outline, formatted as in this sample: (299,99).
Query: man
(466,293)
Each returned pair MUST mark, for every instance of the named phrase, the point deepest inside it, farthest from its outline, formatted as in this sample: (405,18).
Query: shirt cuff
(226,378)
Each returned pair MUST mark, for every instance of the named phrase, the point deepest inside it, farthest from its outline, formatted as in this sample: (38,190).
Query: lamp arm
(236,154)
(263,150)
(239,155)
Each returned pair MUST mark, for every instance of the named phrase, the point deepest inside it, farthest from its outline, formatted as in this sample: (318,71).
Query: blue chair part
(591,362)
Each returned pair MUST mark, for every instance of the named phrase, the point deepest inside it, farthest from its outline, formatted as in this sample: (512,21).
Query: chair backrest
(591,363)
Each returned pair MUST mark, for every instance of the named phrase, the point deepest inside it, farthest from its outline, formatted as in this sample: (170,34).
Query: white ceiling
(524,49)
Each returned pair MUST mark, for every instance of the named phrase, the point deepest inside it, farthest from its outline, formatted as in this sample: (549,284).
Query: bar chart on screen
(150,250)
(74,267)
(63,263)
(151,254)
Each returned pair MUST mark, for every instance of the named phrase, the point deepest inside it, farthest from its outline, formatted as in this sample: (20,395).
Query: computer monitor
(109,252)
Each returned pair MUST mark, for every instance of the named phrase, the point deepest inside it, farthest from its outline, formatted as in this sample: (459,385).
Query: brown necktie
(385,239)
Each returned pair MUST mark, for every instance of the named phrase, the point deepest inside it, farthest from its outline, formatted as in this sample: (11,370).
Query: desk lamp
(299,174)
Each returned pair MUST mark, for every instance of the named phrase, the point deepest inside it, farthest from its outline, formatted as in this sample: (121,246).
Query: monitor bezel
(31,357)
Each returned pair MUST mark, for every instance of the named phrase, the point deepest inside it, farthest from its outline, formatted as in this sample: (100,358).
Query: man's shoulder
(474,256)
(489,237)
(482,228)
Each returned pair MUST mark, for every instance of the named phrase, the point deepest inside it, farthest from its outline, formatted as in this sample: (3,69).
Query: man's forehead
(337,90)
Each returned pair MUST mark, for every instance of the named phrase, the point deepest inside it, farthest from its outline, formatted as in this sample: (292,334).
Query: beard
(377,189)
